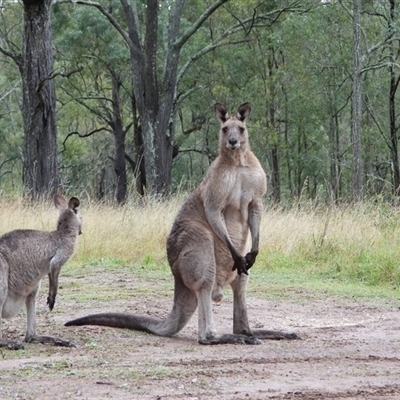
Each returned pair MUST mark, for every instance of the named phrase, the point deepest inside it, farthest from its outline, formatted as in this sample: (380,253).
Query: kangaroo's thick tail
(185,304)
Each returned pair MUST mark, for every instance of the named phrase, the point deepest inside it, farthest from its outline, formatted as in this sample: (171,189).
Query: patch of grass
(306,285)
(347,249)
(162,371)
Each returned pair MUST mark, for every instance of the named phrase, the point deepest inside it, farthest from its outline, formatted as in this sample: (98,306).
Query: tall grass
(350,243)
(358,244)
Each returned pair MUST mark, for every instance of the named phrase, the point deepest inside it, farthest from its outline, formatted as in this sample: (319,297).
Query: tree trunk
(357,104)
(394,82)
(138,169)
(276,173)
(156,98)
(119,140)
(334,147)
(154,102)
(40,166)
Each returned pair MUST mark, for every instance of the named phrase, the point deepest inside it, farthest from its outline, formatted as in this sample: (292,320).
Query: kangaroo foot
(275,335)
(50,340)
(231,339)
(9,344)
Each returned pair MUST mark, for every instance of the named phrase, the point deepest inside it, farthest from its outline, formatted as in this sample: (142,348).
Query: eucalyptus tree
(379,69)
(156,34)
(357,106)
(100,82)
(34,58)
(303,63)
(11,126)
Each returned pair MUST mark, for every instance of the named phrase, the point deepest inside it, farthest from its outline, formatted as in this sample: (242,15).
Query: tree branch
(54,75)
(197,24)
(16,57)
(103,11)
(84,104)
(82,136)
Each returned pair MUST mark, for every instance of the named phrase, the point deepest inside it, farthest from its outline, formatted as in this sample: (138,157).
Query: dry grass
(307,231)
(130,233)
(359,243)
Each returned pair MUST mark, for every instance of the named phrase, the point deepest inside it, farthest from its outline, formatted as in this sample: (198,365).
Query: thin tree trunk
(138,168)
(276,175)
(334,149)
(357,104)
(40,166)
(119,140)
(394,82)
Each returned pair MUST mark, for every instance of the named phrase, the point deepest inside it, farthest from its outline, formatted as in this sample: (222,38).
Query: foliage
(295,68)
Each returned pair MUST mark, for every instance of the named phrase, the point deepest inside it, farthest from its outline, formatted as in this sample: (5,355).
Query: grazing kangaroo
(26,256)
(208,245)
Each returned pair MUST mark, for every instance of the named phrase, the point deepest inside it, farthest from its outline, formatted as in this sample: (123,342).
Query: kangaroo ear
(221,113)
(60,202)
(73,203)
(243,112)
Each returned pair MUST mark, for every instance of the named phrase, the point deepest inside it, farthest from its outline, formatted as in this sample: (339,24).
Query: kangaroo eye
(241,129)
(225,129)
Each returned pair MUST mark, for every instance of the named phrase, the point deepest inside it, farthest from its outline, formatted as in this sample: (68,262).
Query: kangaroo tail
(185,304)
(161,327)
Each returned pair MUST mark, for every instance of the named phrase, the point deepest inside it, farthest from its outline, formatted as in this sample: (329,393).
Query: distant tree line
(114,99)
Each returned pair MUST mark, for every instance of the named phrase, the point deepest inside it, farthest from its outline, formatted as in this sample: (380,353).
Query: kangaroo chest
(247,185)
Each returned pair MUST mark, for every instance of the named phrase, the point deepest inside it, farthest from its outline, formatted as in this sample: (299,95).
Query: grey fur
(26,256)
(208,245)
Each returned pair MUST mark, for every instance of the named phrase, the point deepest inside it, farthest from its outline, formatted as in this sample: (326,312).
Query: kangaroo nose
(232,142)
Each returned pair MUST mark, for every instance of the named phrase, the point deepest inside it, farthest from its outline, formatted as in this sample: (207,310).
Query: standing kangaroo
(208,245)
(26,256)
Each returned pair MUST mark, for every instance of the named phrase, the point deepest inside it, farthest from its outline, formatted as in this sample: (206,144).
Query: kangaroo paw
(50,340)
(11,345)
(275,335)
(231,339)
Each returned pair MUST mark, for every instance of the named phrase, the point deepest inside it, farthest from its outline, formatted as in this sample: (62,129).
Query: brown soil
(348,350)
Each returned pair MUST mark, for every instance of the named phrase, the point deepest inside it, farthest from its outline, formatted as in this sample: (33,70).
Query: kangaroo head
(69,217)
(233,132)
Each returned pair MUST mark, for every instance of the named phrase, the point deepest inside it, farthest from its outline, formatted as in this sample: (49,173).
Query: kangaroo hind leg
(10,344)
(185,304)
(197,269)
(31,335)
(240,319)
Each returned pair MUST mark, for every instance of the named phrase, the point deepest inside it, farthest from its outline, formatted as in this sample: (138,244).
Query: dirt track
(348,351)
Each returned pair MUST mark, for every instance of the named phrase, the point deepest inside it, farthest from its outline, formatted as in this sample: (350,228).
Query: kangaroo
(26,256)
(207,248)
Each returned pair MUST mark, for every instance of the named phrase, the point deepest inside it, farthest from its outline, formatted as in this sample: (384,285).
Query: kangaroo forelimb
(250,259)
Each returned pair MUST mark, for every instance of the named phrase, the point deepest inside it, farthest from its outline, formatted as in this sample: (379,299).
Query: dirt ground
(348,350)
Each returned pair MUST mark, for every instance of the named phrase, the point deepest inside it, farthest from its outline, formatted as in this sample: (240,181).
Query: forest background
(135,83)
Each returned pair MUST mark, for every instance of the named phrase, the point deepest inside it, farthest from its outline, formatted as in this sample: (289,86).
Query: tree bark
(276,173)
(40,165)
(119,140)
(394,83)
(357,104)
(156,98)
